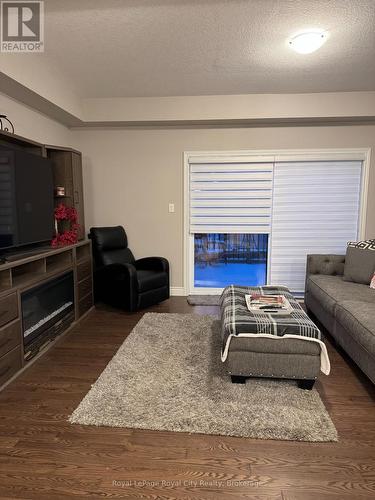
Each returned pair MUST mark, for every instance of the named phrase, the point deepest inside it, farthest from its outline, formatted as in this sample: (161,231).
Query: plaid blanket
(237,320)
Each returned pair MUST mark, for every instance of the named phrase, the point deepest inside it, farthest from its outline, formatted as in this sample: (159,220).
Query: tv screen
(26,198)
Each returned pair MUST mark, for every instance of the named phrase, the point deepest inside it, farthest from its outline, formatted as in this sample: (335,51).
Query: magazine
(269,304)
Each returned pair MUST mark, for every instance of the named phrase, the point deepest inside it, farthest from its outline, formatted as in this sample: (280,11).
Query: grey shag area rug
(167,375)
(203,300)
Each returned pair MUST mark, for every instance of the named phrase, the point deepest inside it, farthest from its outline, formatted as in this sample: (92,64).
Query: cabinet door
(78,192)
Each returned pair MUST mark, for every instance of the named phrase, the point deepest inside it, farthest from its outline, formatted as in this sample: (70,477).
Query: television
(26,199)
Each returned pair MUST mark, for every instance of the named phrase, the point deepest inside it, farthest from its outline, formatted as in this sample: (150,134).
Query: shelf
(22,143)
(5,280)
(25,272)
(67,174)
(28,273)
(83,252)
(50,148)
(59,262)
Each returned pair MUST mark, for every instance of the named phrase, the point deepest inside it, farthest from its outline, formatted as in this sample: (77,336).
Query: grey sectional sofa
(346,309)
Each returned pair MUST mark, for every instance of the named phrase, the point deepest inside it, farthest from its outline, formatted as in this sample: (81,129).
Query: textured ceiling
(113,48)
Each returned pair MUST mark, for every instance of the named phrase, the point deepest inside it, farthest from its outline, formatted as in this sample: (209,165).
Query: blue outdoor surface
(219,275)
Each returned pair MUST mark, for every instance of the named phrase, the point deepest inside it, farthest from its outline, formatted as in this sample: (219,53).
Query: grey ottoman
(268,354)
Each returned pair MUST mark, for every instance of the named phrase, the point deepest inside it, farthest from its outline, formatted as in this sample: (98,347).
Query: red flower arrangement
(69,236)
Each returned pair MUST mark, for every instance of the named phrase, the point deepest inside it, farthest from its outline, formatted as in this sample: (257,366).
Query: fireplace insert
(47,310)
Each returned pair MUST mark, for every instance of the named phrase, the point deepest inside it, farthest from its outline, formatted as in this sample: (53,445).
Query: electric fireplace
(47,310)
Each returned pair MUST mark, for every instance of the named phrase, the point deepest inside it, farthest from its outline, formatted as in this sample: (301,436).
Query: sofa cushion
(329,290)
(360,262)
(358,319)
(330,264)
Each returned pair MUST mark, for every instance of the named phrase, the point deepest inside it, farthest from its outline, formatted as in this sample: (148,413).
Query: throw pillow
(372,284)
(360,262)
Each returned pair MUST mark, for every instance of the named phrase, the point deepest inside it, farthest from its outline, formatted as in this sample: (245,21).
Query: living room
(234,140)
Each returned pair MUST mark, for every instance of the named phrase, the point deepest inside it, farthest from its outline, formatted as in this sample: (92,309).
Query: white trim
(177,291)
(186,240)
(364,194)
(206,291)
(233,156)
(277,155)
(269,249)
(191,287)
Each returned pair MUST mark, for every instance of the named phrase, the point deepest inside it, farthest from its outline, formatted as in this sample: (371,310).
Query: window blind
(230,197)
(316,207)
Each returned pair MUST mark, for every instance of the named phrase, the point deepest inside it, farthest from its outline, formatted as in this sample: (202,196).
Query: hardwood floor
(44,457)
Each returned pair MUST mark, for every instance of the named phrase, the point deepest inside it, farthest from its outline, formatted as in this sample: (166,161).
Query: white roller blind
(316,207)
(230,197)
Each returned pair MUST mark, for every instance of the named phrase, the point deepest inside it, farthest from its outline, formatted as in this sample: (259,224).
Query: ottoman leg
(238,379)
(307,384)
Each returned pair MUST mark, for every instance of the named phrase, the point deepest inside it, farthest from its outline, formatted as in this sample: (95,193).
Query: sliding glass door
(252,220)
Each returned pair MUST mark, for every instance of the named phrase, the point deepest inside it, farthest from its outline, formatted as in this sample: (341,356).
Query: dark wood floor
(44,457)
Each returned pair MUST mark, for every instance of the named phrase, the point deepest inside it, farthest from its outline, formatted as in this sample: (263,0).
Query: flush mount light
(308,42)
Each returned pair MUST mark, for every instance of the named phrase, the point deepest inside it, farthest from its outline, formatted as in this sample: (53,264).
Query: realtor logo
(22,26)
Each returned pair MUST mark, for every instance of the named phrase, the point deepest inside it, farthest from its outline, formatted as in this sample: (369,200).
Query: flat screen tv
(26,199)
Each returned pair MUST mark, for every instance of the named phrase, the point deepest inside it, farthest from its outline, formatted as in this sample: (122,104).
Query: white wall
(33,125)
(42,75)
(130,175)
(325,105)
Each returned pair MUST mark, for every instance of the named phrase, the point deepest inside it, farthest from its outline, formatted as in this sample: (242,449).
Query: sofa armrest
(325,264)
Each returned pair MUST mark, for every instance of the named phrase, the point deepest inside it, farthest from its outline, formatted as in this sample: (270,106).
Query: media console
(41,297)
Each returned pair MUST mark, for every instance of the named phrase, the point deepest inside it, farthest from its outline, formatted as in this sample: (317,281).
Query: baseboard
(178,291)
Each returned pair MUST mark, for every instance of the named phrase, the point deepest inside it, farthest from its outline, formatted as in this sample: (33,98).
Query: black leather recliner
(119,279)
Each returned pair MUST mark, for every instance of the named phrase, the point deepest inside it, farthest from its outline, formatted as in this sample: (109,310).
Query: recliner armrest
(325,264)
(153,264)
(117,272)
(118,284)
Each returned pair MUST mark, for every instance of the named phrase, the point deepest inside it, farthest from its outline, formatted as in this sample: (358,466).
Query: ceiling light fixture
(308,42)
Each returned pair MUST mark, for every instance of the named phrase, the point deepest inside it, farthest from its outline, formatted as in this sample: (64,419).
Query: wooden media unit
(29,274)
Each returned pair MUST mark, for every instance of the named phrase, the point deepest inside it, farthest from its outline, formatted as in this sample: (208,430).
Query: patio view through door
(221,259)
